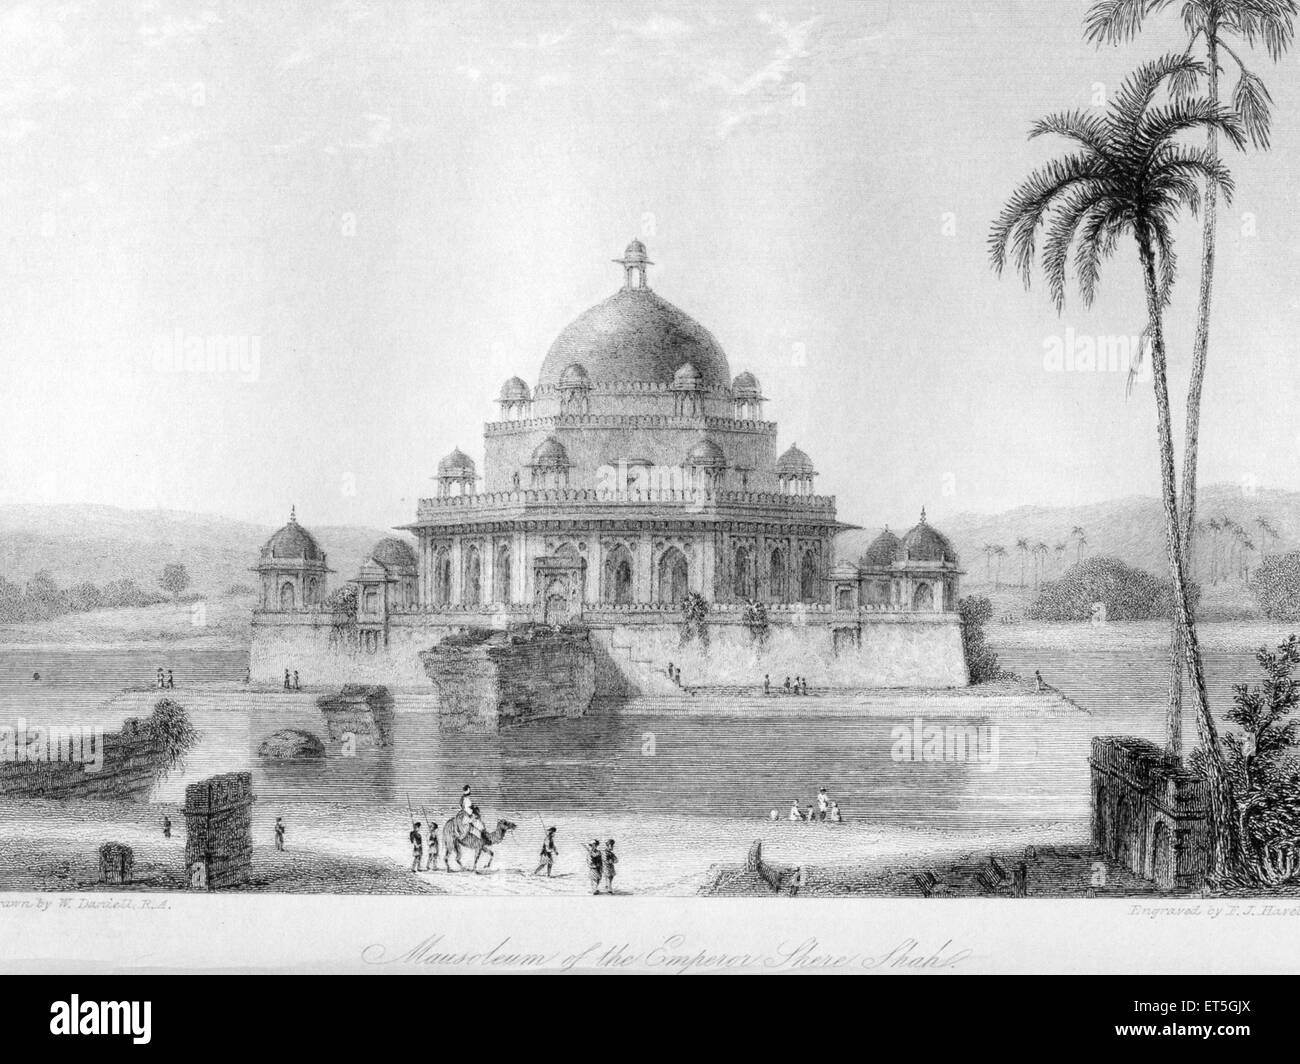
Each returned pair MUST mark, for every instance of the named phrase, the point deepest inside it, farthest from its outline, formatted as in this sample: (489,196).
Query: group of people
(601,865)
(674,673)
(798,687)
(162,682)
(826,810)
(291,685)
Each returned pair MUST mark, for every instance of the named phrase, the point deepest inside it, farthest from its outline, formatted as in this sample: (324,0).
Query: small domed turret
(881,553)
(515,390)
(706,454)
(925,543)
(550,454)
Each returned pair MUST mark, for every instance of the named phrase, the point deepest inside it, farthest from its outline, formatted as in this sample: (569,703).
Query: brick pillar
(219,830)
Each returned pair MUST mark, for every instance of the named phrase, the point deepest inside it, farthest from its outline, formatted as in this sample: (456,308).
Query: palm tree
(999,552)
(1060,553)
(1129,176)
(1211,24)
(1022,545)
(988,563)
(1040,551)
(1266,532)
(1080,538)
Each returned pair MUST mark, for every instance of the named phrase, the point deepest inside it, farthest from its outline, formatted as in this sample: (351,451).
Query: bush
(1276,586)
(1128,594)
(981,661)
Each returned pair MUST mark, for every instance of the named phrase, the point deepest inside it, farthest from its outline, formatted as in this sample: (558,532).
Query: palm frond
(1098,236)
(1158,124)
(1130,103)
(1070,211)
(1115,21)
(1269,21)
(1253,104)
(1020,218)
(1087,129)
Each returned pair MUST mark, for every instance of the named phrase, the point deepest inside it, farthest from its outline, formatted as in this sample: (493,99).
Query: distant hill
(1131,529)
(103,543)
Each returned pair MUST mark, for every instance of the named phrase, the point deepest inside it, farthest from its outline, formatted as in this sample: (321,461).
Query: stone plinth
(488,679)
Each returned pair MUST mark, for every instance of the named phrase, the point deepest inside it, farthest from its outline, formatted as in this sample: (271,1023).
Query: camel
(451,841)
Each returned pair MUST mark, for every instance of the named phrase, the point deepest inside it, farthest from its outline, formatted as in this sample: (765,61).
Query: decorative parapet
(638,421)
(511,502)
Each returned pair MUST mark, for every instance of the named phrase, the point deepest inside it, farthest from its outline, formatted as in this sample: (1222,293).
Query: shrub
(1128,594)
(981,661)
(1276,586)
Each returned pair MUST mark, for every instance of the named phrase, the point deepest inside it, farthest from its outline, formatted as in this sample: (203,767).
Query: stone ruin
(219,831)
(1150,814)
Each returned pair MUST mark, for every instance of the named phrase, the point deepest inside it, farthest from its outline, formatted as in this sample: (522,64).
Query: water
(614,762)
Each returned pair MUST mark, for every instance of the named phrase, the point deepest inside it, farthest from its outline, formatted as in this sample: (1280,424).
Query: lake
(620,762)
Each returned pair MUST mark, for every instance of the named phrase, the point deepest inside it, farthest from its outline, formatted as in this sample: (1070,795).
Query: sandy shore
(52,847)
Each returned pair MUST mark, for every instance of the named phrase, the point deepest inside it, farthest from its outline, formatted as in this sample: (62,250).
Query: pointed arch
(808,577)
(620,569)
(674,576)
(501,575)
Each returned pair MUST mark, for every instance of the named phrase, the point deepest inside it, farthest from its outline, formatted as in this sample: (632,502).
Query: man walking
(595,866)
(549,853)
(417,847)
(279,834)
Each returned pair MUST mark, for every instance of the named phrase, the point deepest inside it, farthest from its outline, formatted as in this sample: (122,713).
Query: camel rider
(469,821)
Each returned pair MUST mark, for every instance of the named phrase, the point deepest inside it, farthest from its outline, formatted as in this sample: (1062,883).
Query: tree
(1080,541)
(1040,550)
(1022,545)
(1060,549)
(1261,764)
(988,563)
(175,579)
(999,552)
(1129,176)
(42,598)
(84,597)
(1212,24)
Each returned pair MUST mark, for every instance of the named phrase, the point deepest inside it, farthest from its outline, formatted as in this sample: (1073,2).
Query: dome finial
(634,262)
(293,514)
(922,515)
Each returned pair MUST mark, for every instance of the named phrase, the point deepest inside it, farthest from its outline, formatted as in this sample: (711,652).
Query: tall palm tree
(999,552)
(988,563)
(1080,537)
(1040,551)
(1129,176)
(1216,26)
(1022,545)
(1060,549)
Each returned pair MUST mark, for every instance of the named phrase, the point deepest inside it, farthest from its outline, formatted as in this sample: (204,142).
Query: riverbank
(48,846)
(219,621)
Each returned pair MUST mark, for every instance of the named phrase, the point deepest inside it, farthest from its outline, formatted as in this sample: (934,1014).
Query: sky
(390,208)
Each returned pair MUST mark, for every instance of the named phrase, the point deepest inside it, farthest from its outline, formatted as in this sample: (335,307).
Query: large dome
(633,337)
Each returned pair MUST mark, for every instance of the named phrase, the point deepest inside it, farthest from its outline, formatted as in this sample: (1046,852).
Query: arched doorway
(674,576)
(501,576)
(473,578)
(286,596)
(742,569)
(442,578)
(618,576)
(311,594)
(808,578)
(778,578)
(557,602)
(923,597)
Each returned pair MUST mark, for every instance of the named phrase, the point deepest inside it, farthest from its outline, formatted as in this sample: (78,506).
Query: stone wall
(830,650)
(1149,813)
(129,767)
(219,831)
(488,680)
